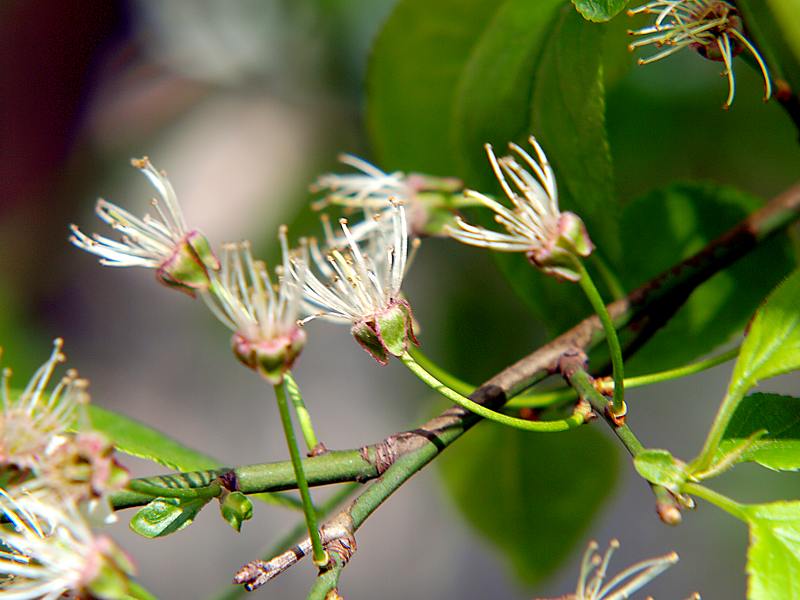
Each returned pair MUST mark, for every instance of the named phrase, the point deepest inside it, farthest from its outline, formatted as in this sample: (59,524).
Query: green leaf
(135,438)
(779,417)
(163,516)
(772,346)
(599,10)
(773,559)
(786,15)
(661,468)
(414,68)
(683,218)
(567,115)
(532,496)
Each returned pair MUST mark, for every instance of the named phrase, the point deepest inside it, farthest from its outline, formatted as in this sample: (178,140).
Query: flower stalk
(319,555)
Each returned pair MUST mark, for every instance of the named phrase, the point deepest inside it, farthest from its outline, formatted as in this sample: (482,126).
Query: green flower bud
(236,508)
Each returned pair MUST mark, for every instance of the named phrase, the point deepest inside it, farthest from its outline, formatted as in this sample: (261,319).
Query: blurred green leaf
(661,468)
(787,15)
(531,495)
(414,69)
(772,345)
(135,438)
(779,447)
(164,516)
(773,559)
(599,10)
(673,223)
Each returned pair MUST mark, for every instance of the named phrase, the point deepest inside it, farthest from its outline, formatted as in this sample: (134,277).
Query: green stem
(327,580)
(562,395)
(535,400)
(161,491)
(611,336)
(729,505)
(679,372)
(542,426)
(303,416)
(319,555)
(297,532)
(721,421)
(584,385)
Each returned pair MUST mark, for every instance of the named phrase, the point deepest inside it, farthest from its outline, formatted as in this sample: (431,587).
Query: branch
(396,458)
(641,313)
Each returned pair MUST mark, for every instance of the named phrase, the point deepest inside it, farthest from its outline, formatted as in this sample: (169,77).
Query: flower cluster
(354,278)
(711,27)
(56,481)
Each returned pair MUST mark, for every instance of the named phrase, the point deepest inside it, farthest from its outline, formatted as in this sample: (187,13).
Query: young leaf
(683,218)
(531,495)
(599,10)
(772,346)
(163,516)
(135,438)
(661,468)
(773,559)
(779,417)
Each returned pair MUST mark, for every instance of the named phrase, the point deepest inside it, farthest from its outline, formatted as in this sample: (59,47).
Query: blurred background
(244,103)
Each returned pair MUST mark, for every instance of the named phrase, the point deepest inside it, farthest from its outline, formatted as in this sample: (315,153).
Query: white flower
(373,191)
(534,225)
(262,316)
(371,188)
(712,27)
(594,571)
(51,552)
(182,257)
(33,421)
(359,282)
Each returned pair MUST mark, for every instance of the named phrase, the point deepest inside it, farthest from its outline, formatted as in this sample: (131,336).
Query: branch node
(318,450)
(572,360)
(229,481)
(618,419)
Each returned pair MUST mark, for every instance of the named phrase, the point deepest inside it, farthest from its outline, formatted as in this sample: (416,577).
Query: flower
(359,283)
(52,552)
(263,317)
(182,258)
(33,420)
(623,585)
(549,238)
(373,191)
(711,27)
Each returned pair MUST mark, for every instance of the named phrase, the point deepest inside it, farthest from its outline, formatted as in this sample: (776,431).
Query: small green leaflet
(661,468)
(779,417)
(772,346)
(163,516)
(599,10)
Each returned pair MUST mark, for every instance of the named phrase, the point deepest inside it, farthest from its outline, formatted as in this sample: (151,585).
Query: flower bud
(270,357)
(557,256)
(387,332)
(236,508)
(187,269)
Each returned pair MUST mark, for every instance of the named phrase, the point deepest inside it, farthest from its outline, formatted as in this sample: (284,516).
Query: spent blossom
(711,27)
(594,570)
(359,281)
(50,552)
(262,316)
(534,225)
(182,258)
